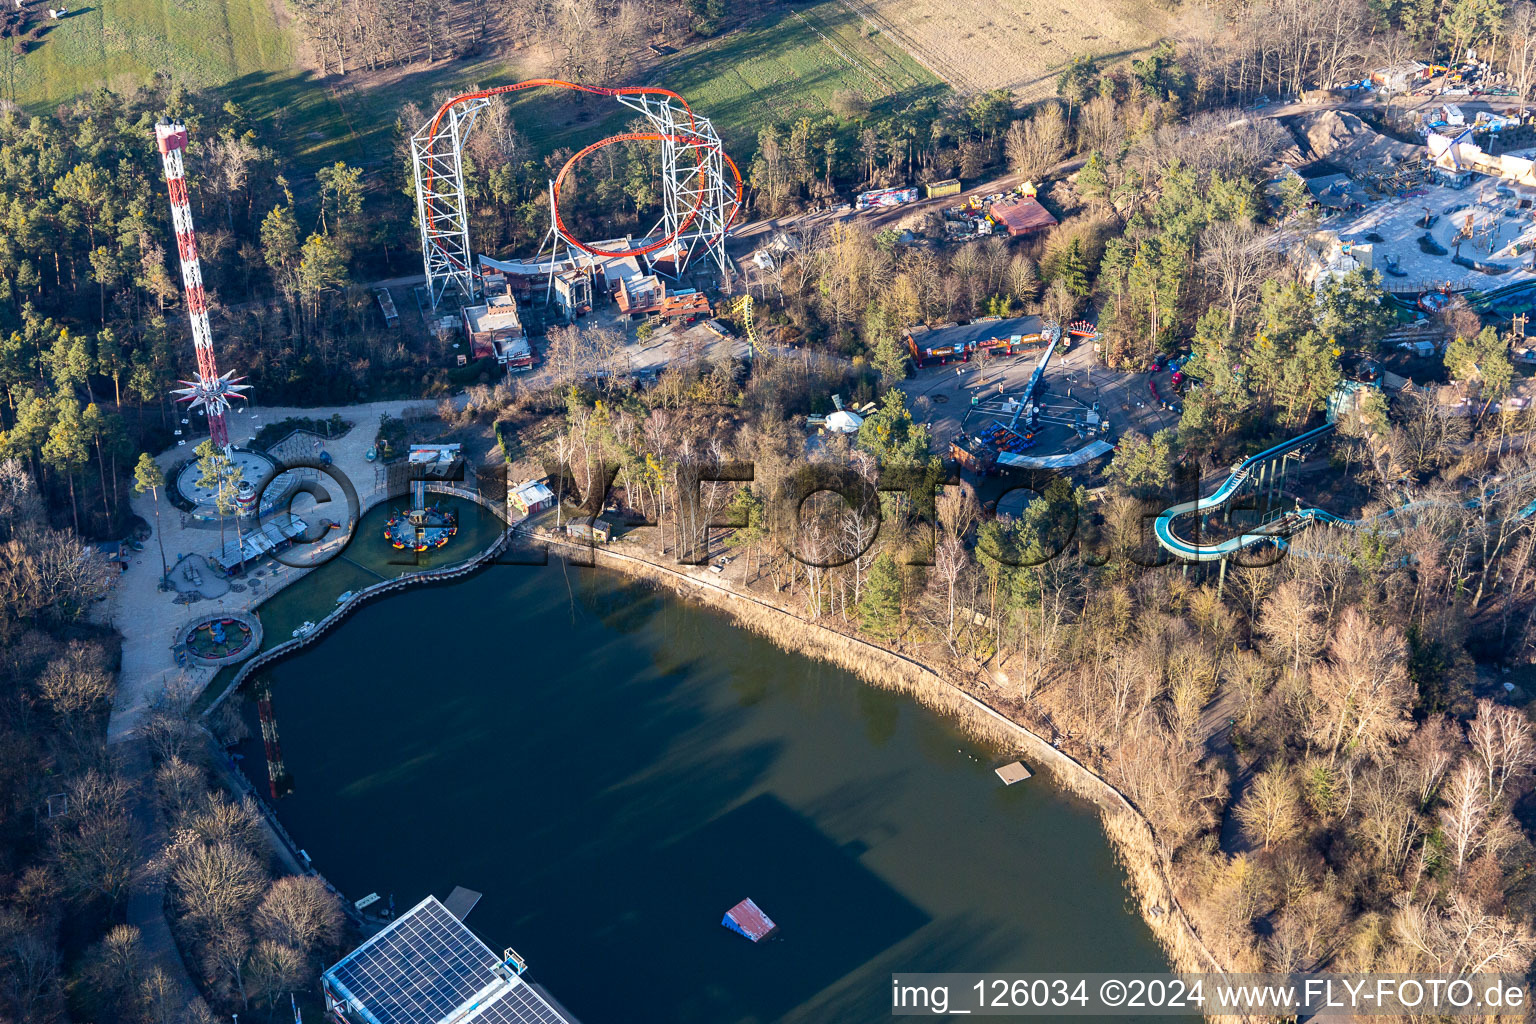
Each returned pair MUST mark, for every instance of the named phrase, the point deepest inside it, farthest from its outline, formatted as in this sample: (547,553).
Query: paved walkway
(149,618)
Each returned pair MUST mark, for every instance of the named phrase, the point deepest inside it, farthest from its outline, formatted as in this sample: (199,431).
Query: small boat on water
(305,628)
(344,598)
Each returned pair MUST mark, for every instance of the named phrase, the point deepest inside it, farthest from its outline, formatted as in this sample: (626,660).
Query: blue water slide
(1189,551)
(1294,522)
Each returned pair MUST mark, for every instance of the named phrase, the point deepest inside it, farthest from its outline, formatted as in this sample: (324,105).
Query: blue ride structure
(1286,525)
(1248,470)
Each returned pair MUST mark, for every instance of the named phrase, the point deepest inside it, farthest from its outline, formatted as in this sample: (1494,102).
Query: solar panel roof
(521,1005)
(428,967)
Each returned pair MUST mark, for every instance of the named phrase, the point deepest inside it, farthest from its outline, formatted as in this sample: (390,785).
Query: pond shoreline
(1126,828)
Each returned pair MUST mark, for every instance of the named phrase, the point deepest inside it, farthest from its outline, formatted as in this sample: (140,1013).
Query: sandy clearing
(1019,45)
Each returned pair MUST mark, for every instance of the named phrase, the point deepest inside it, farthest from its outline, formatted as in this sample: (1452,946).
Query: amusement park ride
(209,390)
(701,187)
(424,527)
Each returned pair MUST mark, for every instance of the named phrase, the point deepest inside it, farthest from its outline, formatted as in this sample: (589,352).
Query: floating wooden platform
(747,919)
(1015,772)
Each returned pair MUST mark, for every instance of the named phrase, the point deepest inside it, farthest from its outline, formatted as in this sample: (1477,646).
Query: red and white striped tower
(211,390)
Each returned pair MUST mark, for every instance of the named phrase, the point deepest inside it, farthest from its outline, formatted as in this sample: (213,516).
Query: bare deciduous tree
(114,967)
(226,951)
(1238,259)
(1463,939)
(1270,812)
(221,821)
(1034,146)
(1289,623)
(1471,827)
(273,970)
(215,885)
(76,682)
(1362,690)
(1429,754)
(95,849)
(300,912)
(1501,738)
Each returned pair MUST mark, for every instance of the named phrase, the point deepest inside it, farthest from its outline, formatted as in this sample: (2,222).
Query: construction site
(1433,219)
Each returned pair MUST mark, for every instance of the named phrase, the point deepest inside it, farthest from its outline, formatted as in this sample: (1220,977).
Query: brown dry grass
(1020,45)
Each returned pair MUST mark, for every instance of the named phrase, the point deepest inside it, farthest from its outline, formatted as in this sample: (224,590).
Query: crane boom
(1027,400)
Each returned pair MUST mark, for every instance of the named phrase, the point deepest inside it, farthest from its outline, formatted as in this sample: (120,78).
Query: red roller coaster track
(692,138)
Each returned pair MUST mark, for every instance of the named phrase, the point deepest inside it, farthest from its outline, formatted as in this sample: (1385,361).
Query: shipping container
(599,530)
(947,187)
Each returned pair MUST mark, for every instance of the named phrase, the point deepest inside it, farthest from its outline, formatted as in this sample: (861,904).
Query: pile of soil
(1343,140)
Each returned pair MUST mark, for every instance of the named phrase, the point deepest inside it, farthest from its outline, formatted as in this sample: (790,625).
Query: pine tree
(1074,269)
(880,604)
(67,448)
(148,477)
(747,507)
(34,419)
(111,362)
(1093,179)
(95,426)
(223,477)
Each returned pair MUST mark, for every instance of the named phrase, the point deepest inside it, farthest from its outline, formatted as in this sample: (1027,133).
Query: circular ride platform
(422,529)
(254,467)
(219,639)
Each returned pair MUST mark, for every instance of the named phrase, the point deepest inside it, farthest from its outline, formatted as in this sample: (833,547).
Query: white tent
(844,422)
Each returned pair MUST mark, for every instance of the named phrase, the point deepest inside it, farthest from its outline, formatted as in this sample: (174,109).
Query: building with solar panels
(427,967)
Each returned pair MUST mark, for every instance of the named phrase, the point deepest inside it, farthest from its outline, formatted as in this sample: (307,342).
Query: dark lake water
(614,769)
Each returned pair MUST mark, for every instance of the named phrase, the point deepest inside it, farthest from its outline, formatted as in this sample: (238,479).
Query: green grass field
(790,64)
(780,66)
(240,48)
(122,43)
(784,65)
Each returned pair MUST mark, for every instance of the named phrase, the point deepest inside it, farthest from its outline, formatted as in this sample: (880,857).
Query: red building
(1022,217)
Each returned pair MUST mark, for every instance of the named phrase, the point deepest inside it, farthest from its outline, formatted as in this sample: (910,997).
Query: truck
(884,197)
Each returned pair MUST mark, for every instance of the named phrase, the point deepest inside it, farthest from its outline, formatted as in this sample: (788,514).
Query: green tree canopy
(1351,310)
(1141,463)
(1483,359)
(880,603)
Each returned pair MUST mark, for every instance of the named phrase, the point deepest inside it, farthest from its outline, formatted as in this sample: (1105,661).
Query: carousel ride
(424,527)
(218,640)
(421,529)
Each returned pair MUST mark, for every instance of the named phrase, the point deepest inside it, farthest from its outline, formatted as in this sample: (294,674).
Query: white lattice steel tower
(442,212)
(698,201)
(210,390)
(701,186)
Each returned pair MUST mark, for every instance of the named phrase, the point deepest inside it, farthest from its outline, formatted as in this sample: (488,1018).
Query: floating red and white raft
(747,919)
